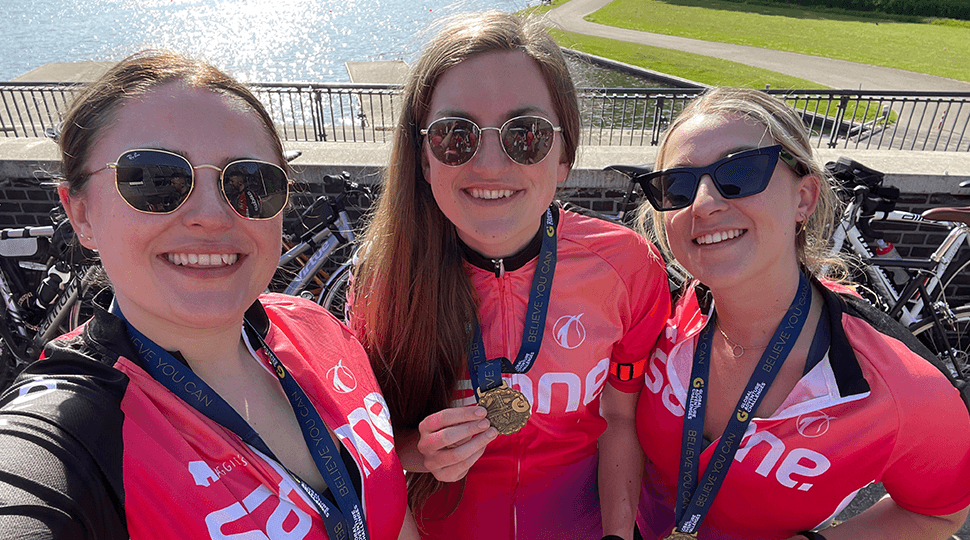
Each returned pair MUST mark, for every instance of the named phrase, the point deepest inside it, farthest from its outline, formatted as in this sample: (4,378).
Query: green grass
(702,69)
(933,46)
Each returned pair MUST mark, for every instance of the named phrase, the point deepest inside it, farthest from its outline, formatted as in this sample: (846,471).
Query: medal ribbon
(694,502)
(486,373)
(181,381)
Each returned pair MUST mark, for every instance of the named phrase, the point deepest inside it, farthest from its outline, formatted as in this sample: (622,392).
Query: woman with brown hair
(477,287)
(192,405)
(774,394)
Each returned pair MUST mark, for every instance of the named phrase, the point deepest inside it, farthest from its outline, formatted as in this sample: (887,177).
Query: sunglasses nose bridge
(481,143)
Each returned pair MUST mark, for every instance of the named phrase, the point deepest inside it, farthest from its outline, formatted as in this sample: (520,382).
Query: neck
(205,350)
(750,313)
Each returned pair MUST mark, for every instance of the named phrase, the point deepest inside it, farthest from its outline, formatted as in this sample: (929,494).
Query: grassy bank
(933,47)
(702,69)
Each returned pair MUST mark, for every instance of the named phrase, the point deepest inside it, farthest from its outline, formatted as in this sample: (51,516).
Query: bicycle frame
(907,304)
(326,241)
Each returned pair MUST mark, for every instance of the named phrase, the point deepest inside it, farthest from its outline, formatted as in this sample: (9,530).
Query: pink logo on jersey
(814,424)
(569,331)
(342,378)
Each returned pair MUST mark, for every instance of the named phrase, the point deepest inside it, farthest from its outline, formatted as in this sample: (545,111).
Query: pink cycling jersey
(151,466)
(872,410)
(608,303)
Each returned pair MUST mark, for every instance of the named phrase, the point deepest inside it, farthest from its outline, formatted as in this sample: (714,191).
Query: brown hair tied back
(96,107)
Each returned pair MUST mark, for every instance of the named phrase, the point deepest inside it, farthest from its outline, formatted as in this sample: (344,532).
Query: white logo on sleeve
(569,331)
(342,378)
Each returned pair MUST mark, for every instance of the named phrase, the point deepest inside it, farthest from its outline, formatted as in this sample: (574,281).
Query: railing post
(843,103)
(658,116)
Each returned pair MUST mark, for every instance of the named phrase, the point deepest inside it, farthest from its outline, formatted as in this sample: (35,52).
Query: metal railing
(344,112)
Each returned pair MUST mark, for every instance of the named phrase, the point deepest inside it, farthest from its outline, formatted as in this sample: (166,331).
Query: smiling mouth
(490,194)
(714,238)
(202,259)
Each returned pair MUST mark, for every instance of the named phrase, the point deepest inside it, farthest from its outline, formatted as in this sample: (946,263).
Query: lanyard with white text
(693,501)
(486,373)
(181,381)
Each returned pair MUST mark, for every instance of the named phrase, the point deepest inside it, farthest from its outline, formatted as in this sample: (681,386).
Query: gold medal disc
(508,410)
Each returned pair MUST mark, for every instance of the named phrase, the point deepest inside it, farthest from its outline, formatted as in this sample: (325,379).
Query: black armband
(811,535)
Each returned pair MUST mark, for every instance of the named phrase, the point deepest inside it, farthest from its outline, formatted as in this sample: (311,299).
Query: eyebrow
(185,155)
(529,110)
(726,153)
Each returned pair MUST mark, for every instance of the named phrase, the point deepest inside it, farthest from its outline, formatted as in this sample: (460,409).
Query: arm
(886,520)
(447,443)
(409,530)
(620,463)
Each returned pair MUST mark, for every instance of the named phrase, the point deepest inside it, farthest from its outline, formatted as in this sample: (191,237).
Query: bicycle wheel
(955,283)
(957,334)
(334,298)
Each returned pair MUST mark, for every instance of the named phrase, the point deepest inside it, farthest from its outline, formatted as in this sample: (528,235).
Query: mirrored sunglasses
(525,139)
(736,176)
(158,182)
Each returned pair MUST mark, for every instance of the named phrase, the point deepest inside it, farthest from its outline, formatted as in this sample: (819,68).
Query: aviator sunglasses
(158,182)
(736,176)
(525,139)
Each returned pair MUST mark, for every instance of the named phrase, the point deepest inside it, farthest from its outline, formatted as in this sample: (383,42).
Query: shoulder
(617,245)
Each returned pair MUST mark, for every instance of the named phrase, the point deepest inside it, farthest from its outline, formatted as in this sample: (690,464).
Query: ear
(76,208)
(809,189)
(562,171)
(425,164)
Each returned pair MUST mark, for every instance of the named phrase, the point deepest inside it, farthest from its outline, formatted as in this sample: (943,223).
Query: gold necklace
(737,350)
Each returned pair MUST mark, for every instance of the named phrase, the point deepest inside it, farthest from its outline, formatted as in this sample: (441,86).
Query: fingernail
(480,411)
(492,433)
(483,424)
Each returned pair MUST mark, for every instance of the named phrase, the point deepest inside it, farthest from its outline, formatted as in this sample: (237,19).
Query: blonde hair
(787,129)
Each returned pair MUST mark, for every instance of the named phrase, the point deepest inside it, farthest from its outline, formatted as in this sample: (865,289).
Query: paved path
(837,74)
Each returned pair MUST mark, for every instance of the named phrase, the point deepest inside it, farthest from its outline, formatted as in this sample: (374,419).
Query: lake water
(255,40)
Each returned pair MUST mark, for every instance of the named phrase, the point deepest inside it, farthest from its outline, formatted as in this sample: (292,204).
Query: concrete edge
(911,171)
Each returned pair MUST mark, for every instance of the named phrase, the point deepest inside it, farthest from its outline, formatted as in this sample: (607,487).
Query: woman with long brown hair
(476,287)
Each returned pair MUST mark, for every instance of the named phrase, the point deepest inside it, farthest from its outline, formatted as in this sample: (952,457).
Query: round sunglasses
(525,139)
(735,176)
(158,182)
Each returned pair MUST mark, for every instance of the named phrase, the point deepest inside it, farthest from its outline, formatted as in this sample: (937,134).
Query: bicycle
(923,302)
(322,234)
(43,276)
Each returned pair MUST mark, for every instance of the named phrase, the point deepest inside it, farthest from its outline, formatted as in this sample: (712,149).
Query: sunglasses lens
(670,190)
(453,141)
(156,182)
(745,175)
(255,189)
(528,139)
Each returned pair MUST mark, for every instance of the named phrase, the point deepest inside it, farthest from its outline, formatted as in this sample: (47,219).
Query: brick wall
(27,202)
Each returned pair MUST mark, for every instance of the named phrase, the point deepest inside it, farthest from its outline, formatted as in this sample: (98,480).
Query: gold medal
(508,410)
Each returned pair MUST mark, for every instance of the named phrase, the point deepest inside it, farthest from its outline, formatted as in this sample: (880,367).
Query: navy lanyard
(189,387)
(486,373)
(693,501)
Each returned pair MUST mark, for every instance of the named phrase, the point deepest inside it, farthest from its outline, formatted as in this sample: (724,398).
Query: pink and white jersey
(171,472)
(871,411)
(609,300)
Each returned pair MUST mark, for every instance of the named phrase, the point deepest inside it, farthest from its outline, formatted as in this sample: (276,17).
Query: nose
(490,153)
(708,199)
(206,205)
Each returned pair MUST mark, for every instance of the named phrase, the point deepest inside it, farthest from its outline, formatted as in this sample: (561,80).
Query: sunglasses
(736,176)
(525,139)
(158,182)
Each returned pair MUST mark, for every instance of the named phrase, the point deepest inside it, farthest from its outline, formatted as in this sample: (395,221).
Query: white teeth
(720,236)
(202,259)
(490,193)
